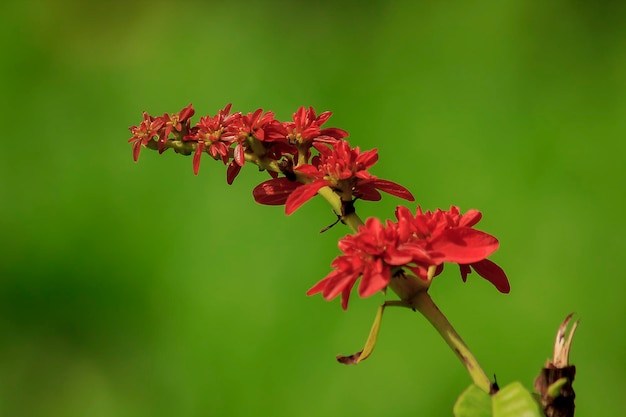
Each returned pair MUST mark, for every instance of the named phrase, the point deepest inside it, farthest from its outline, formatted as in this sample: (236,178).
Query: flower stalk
(423,303)
(304,160)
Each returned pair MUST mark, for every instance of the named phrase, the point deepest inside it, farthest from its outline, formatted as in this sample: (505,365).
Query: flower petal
(464,245)
(136,150)
(196,157)
(232,171)
(395,256)
(345,295)
(274,192)
(368,158)
(367,192)
(375,277)
(470,218)
(394,189)
(319,287)
(309,171)
(494,274)
(465,271)
(240,155)
(302,194)
(333,132)
(186,113)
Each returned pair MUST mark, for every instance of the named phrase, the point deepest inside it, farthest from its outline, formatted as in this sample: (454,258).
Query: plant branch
(411,290)
(425,305)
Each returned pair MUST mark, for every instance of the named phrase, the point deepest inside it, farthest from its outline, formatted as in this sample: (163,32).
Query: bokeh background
(141,290)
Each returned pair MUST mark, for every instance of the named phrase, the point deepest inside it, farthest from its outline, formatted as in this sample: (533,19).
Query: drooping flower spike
(413,242)
(228,137)
(305,159)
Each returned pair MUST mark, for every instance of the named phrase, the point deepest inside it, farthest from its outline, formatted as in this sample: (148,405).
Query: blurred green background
(140,290)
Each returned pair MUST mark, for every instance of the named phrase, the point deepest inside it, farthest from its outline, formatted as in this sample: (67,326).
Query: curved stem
(411,290)
(352,220)
(425,305)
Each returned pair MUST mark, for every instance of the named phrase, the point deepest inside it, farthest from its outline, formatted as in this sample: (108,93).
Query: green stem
(410,289)
(414,290)
(352,220)
(425,305)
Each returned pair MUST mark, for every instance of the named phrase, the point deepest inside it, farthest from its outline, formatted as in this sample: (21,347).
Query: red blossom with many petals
(147,130)
(248,128)
(212,136)
(415,242)
(306,128)
(176,123)
(450,237)
(370,254)
(345,170)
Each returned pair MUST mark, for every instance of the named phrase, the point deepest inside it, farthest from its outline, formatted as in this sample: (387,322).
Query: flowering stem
(230,138)
(333,199)
(425,305)
(414,290)
(408,287)
(411,290)
(352,220)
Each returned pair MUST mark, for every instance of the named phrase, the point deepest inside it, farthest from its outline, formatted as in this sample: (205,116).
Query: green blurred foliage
(140,290)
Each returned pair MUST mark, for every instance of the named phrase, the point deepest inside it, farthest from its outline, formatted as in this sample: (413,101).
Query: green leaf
(515,401)
(511,401)
(474,402)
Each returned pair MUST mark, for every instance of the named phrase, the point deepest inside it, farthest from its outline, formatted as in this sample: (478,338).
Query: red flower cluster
(231,137)
(160,128)
(414,242)
(217,135)
(341,167)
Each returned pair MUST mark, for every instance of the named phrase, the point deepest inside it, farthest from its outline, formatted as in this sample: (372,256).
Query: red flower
(212,136)
(345,170)
(177,123)
(306,128)
(369,254)
(448,236)
(415,243)
(274,192)
(149,128)
(252,125)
